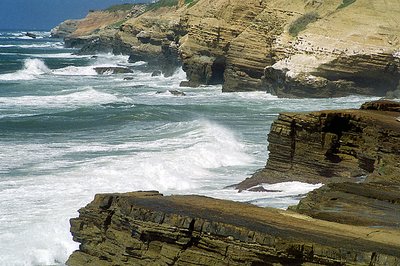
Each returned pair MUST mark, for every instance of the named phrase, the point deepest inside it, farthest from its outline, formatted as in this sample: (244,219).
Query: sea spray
(32,69)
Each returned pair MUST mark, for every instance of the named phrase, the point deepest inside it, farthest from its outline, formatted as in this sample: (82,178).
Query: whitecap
(31,70)
(75,71)
(84,97)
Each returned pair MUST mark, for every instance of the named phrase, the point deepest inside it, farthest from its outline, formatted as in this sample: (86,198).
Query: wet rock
(146,228)
(262,189)
(156,73)
(173,92)
(112,70)
(128,78)
(31,35)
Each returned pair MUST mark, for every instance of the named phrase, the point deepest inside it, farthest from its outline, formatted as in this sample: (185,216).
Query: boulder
(112,70)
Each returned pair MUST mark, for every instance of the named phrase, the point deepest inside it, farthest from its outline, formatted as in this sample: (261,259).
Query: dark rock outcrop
(145,228)
(334,146)
(112,70)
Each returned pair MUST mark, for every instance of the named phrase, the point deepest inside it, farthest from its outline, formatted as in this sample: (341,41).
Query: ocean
(67,133)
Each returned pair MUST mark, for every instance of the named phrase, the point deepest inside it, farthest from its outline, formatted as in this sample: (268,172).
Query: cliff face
(334,146)
(145,228)
(289,48)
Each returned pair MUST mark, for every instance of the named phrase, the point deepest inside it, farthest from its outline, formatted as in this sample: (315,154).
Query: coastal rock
(146,228)
(31,35)
(66,28)
(112,70)
(259,45)
(368,204)
(333,146)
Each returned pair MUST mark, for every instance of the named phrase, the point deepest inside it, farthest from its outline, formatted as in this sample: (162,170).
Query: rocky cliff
(288,48)
(341,223)
(145,228)
(334,146)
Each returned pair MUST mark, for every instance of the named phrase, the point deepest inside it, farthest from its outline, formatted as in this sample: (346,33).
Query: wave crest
(31,69)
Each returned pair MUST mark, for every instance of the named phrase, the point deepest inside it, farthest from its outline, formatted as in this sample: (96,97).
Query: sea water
(67,133)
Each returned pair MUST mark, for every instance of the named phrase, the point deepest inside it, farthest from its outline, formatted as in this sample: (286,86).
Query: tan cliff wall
(246,45)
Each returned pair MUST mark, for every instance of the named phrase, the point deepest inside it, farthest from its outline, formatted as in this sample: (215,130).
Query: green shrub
(301,23)
(345,3)
(190,3)
(122,7)
(162,3)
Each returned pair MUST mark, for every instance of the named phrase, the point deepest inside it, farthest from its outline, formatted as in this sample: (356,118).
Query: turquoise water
(67,133)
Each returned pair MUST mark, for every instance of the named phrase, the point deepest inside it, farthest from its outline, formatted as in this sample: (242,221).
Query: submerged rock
(173,92)
(146,228)
(31,35)
(112,70)
(156,73)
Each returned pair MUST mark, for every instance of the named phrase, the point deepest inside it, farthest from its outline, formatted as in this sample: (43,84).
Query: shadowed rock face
(145,228)
(334,146)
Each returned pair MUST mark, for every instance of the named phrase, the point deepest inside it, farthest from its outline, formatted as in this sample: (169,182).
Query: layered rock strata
(346,48)
(146,228)
(334,146)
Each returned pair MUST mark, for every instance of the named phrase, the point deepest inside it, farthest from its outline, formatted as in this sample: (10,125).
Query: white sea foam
(280,195)
(111,60)
(82,97)
(32,69)
(57,55)
(75,71)
(35,210)
(36,45)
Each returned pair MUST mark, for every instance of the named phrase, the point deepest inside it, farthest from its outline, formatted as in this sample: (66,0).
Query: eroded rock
(146,228)
(333,146)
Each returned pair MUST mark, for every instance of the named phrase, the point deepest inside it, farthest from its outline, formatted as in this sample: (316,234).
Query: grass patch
(122,7)
(345,3)
(162,3)
(301,23)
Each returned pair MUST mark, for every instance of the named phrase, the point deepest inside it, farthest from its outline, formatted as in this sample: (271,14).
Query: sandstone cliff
(334,146)
(288,48)
(145,228)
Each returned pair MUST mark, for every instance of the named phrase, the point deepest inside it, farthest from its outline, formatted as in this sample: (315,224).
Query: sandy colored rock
(145,228)
(246,45)
(333,146)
